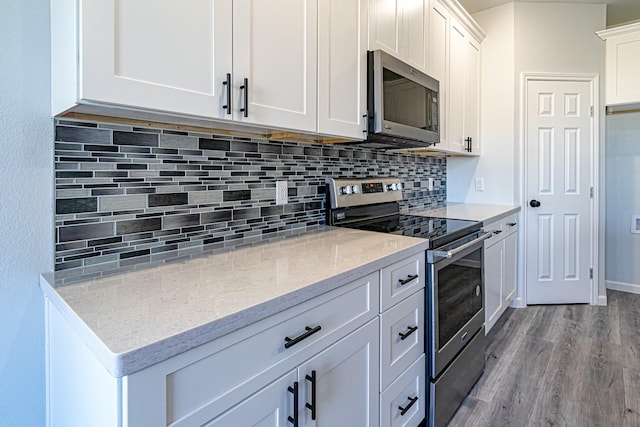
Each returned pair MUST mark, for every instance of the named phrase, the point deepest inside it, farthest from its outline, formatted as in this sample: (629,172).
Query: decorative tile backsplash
(127,195)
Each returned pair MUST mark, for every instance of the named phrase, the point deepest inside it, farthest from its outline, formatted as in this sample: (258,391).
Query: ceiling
(618,11)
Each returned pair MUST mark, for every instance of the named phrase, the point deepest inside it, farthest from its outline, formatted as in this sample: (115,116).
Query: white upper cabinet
(622,64)
(454,60)
(226,63)
(274,62)
(439,59)
(342,67)
(400,27)
(155,54)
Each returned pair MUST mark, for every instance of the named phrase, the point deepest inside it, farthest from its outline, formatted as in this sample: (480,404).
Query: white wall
(497,119)
(26,198)
(623,201)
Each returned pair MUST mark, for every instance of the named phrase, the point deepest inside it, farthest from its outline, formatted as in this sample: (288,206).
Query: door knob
(534,204)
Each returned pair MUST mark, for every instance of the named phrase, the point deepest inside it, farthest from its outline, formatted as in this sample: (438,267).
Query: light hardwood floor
(570,365)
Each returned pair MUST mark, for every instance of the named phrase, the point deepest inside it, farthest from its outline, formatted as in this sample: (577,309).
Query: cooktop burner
(439,231)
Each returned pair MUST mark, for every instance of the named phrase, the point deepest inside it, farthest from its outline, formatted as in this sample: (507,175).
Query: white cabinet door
(439,62)
(493,281)
(457,77)
(510,279)
(275,62)
(385,18)
(342,67)
(270,407)
(400,27)
(415,26)
(156,54)
(347,378)
(472,96)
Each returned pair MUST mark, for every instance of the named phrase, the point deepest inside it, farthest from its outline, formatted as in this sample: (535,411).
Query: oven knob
(399,186)
(346,189)
(356,189)
(391,187)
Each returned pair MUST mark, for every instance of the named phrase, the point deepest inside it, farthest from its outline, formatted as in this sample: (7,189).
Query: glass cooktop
(439,231)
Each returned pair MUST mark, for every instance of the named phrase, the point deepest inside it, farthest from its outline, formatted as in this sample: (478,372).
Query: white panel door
(275,53)
(347,379)
(558,150)
(342,67)
(156,54)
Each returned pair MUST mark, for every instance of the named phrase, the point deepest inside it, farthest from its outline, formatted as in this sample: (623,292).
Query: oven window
(408,103)
(459,294)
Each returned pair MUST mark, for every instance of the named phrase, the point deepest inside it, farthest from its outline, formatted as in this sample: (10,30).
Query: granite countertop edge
(126,363)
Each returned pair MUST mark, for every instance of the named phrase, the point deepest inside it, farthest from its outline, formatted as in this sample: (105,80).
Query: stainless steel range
(455,282)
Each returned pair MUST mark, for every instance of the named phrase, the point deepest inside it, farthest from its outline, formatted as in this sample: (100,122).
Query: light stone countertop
(470,211)
(133,320)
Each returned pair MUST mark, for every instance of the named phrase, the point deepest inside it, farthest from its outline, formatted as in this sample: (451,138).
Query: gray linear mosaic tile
(129,197)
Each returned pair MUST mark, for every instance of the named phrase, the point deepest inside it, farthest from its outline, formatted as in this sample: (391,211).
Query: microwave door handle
(451,254)
(429,111)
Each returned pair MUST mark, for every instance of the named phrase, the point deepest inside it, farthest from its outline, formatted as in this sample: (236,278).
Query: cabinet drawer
(201,390)
(501,229)
(398,397)
(403,320)
(400,280)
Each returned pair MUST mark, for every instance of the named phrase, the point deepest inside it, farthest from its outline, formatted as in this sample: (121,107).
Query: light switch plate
(479,184)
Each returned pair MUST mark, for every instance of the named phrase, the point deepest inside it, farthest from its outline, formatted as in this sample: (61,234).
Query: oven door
(456,302)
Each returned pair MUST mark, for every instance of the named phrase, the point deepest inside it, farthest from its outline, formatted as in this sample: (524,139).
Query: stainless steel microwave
(402,104)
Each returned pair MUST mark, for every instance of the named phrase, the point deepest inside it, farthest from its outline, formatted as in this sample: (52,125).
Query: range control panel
(360,192)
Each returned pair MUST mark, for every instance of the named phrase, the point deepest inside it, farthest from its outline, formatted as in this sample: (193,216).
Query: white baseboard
(517,303)
(602,300)
(624,287)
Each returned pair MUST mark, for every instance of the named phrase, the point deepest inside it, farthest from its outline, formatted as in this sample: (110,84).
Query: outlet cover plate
(282,193)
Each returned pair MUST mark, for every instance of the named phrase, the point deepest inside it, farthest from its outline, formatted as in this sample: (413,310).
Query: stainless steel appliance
(455,282)
(402,104)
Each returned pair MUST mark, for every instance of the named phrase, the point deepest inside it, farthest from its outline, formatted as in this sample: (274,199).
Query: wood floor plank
(574,365)
(631,378)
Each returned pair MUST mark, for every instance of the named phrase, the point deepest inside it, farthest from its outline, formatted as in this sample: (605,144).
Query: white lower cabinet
(336,387)
(500,268)
(318,363)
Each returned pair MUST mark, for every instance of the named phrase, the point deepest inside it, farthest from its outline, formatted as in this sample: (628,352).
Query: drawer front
(405,320)
(501,229)
(200,391)
(396,407)
(401,279)
(510,224)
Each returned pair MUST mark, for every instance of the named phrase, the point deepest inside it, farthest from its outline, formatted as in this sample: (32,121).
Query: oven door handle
(451,254)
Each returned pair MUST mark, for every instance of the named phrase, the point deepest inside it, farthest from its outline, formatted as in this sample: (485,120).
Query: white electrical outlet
(430,185)
(282,193)
(479,184)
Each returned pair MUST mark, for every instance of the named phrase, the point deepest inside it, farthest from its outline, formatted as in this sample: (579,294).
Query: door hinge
(591,192)
(591,111)
(591,273)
